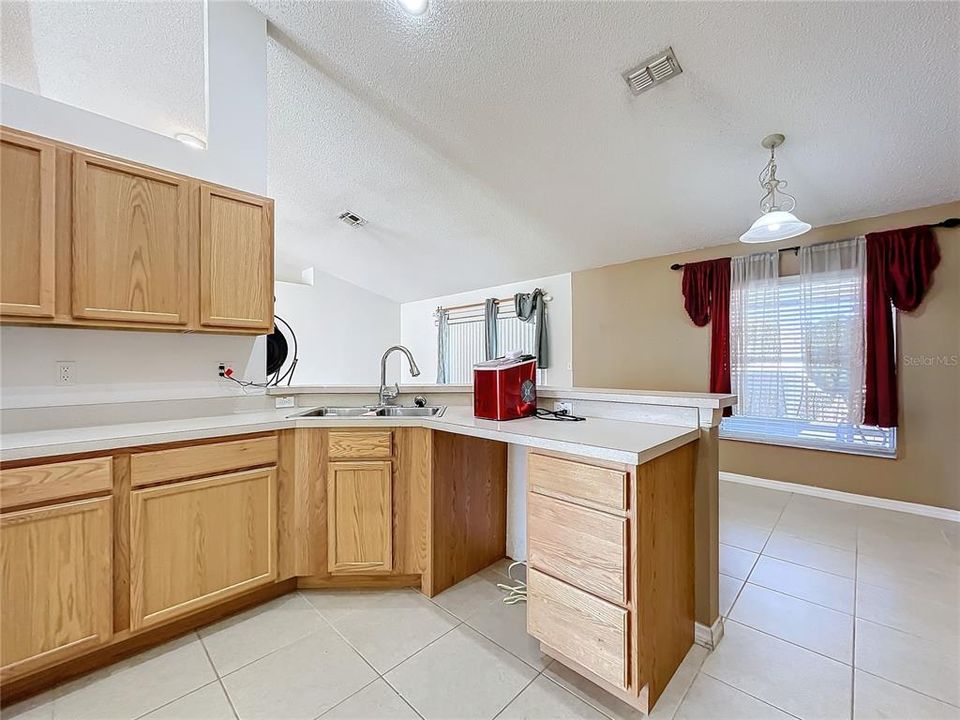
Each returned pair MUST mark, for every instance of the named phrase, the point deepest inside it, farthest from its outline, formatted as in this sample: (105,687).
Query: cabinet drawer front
(589,631)
(360,444)
(589,484)
(27,220)
(56,600)
(43,483)
(160,465)
(586,548)
(199,542)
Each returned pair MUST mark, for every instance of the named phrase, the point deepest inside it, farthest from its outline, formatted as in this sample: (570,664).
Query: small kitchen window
(466,342)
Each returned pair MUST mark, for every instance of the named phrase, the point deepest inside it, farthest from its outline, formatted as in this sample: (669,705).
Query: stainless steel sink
(397,411)
(335,412)
(368,412)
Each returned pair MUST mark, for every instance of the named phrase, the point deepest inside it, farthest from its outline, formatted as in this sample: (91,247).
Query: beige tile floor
(832,611)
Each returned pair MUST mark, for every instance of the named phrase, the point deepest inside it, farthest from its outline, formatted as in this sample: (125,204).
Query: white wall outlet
(286,401)
(66,372)
(563,406)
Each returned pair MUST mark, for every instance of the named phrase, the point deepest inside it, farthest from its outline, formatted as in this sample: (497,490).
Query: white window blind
(467,341)
(801,375)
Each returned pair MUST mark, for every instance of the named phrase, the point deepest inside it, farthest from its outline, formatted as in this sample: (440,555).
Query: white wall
(342,330)
(127,365)
(236,153)
(418,331)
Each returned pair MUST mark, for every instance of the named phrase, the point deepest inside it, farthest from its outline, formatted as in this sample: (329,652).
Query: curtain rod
(546,298)
(948,223)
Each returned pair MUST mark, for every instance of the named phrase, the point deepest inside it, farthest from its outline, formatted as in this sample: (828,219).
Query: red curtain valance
(706,297)
(900,265)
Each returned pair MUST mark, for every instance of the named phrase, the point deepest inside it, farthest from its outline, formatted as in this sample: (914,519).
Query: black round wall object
(277,351)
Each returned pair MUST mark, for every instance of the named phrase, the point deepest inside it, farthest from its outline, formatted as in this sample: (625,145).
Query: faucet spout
(387,394)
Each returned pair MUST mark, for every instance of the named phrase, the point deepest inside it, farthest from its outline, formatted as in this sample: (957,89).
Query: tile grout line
(757,559)
(790,642)
(265,655)
(341,702)
(797,597)
(810,567)
(216,672)
(510,701)
(588,700)
(686,692)
(853,644)
(741,690)
(907,687)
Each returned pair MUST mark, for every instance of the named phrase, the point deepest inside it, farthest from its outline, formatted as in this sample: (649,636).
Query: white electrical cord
(517,592)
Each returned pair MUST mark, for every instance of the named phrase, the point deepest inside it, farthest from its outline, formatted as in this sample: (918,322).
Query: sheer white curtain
(833,300)
(755,357)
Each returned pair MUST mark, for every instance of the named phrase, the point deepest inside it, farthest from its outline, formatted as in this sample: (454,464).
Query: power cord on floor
(516,593)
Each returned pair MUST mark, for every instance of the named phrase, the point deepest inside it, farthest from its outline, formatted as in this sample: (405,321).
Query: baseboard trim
(899,505)
(708,636)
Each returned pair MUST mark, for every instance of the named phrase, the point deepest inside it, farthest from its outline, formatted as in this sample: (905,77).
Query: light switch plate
(286,401)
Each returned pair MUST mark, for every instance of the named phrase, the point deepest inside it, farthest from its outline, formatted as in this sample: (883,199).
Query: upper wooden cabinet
(131,242)
(236,259)
(27,225)
(95,241)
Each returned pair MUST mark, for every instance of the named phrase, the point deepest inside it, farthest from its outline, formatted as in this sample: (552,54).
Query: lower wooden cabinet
(196,543)
(359,517)
(56,583)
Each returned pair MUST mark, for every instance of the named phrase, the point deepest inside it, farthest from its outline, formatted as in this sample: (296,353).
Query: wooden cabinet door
(236,259)
(27,218)
(132,231)
(195,543)
(359,517)
(56,597)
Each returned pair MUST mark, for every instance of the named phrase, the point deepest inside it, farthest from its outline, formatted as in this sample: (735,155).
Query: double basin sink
(374,412)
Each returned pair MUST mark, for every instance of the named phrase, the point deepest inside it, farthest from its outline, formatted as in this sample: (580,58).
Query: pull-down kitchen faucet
(388,395)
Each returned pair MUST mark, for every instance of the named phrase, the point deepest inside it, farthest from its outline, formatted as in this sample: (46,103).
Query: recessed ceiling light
(414,7)
(191,141)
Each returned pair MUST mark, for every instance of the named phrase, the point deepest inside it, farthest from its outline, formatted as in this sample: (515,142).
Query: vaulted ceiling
(487,142)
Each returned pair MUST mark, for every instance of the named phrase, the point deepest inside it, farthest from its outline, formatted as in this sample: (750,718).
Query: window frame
(783,439)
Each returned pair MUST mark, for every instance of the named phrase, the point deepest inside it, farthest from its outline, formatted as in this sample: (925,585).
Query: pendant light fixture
(777,221)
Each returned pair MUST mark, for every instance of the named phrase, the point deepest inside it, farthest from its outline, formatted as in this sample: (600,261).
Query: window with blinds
(467,341)
(796,374)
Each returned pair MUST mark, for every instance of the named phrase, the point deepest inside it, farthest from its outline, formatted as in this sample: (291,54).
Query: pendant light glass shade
(774,225)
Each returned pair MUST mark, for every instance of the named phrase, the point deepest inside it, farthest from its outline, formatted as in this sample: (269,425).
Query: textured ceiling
(138,62)
(489,142)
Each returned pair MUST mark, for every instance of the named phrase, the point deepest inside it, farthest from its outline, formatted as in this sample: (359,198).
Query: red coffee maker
(505,388)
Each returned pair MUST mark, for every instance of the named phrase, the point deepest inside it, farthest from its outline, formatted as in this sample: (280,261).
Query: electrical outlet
(66,372)
(287,401)
(221,366)
(563,406)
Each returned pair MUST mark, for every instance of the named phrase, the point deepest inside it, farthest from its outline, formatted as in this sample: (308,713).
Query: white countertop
(712,401)
(614,440)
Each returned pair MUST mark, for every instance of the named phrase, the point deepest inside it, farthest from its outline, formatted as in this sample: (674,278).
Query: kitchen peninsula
(620,522)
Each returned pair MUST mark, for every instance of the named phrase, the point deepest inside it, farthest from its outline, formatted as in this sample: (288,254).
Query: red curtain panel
(706,297)
(900,265)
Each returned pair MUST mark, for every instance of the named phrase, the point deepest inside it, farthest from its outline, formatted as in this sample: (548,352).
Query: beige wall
(630,331)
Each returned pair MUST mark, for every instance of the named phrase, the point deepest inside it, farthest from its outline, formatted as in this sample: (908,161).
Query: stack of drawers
(578,551)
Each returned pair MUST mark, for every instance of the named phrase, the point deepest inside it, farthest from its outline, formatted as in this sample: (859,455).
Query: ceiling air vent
(352,219)
(653,71)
